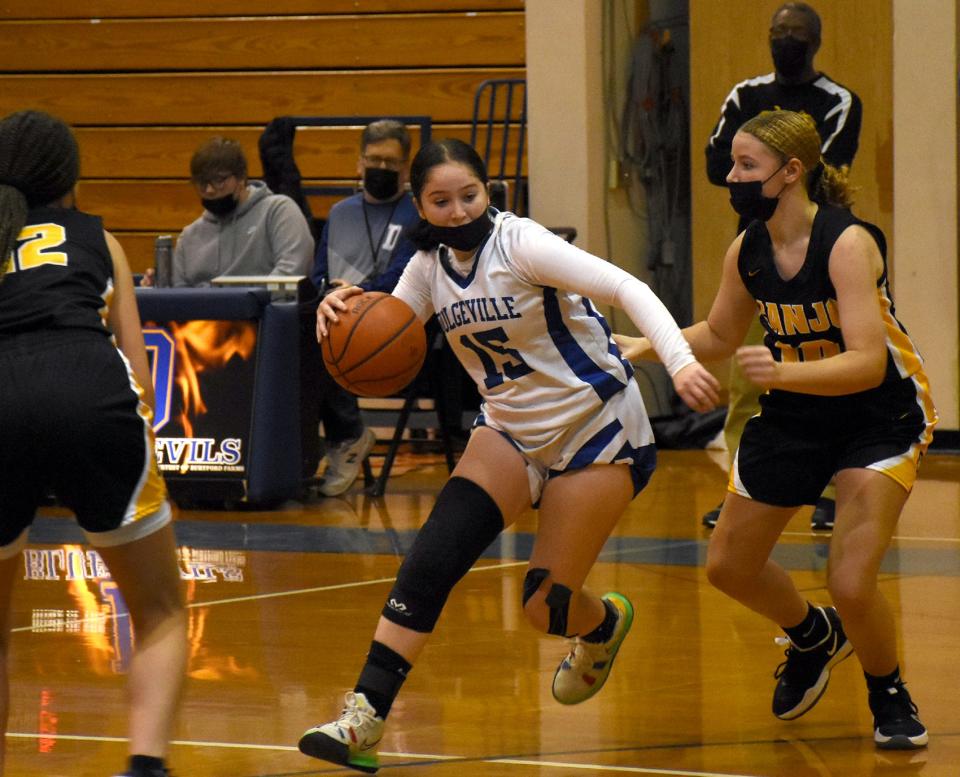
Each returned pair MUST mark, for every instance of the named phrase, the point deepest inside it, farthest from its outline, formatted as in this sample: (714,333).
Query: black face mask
(748,200)
(381,183)
(789,55)
(221,206)
(467,236)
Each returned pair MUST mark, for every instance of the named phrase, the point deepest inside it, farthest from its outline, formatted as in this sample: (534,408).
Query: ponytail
(39,163)
(831,185)
(13,215)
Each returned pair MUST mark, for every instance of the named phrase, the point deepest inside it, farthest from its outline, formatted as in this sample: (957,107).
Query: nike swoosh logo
(751,273)
(833,648)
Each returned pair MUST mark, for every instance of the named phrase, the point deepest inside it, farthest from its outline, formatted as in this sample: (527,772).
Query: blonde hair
(794,135)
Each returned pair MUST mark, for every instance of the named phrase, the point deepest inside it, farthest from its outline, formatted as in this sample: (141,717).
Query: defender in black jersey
(794,85)
(845,393)
(76,412)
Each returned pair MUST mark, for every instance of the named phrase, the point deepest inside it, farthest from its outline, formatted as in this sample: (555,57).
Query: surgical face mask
(220,206)
(789,55)
(381,183)
(748,200)
(467,236)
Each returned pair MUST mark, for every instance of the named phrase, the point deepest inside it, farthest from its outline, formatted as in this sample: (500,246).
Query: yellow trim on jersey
(903,468)
(107,296)
(151,492)
(899,344)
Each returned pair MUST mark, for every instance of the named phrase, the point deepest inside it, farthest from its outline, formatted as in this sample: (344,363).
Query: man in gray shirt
(245,229)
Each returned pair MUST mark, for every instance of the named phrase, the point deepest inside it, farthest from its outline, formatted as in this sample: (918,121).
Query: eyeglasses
(216,181)
(391,163)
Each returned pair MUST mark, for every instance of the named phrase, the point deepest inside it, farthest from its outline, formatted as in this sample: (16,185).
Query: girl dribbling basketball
(562,420)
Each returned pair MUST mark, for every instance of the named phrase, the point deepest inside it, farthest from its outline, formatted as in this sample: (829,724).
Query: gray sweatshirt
(266,235)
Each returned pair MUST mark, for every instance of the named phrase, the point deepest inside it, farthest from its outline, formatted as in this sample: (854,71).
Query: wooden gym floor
(283,605)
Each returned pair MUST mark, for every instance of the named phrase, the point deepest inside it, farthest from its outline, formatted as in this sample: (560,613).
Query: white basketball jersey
(543,358)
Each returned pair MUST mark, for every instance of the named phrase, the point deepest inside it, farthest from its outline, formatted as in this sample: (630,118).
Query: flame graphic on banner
(204,345)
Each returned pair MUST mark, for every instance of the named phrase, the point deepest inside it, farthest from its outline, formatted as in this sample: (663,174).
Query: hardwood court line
(333,587)
(606,768)
(278,594)
(596,768)
(377,581)
(902,537)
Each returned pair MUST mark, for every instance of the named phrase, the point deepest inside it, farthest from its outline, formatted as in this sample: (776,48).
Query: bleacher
(143,83)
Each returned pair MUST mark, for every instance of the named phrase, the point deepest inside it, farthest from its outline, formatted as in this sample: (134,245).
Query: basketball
(377,347)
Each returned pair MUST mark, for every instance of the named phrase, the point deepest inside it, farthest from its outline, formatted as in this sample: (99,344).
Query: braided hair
(794,135)
(39,163)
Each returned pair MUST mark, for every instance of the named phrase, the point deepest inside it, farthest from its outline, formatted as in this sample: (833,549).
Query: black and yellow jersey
(800,314)
(60,275)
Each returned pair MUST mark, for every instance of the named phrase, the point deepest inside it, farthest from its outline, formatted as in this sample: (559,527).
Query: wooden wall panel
(146,83)
(111,9)
(248,98)
(164,152)
(162,206)
(728,43)
(138,246)
(357,41)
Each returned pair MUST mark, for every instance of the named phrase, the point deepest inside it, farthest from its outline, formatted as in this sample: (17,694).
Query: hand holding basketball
(375,347)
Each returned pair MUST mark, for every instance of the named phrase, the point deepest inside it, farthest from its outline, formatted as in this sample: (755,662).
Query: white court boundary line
(407,756)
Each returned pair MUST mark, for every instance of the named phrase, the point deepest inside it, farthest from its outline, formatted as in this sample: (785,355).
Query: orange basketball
(377,347)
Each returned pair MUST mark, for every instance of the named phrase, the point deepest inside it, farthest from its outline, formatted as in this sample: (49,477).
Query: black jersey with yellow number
(61,274)
(800,314)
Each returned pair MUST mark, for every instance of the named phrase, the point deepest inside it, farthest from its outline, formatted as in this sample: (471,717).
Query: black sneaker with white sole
(896,725)
(803,677)
(822,517)
(709,519)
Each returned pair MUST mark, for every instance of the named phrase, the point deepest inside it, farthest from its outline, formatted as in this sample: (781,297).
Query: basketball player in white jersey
(562,421)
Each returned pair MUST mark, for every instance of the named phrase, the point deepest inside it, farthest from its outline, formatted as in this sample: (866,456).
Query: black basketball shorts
(72,423)
(788,454)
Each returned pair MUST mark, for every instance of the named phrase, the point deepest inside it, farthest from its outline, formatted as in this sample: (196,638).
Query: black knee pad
(558,599)
(463,523)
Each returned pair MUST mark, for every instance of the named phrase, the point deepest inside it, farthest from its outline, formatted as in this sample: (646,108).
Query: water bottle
(163,261)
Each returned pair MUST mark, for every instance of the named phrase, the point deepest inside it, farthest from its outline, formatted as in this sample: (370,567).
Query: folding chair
(416,399)
(500,109)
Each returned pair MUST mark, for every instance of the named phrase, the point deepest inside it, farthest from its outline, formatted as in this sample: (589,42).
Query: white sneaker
(351,740)
(344,462)
(585,670)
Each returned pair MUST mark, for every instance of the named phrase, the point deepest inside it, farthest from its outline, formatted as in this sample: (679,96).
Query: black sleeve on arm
(845,144)
(721,139)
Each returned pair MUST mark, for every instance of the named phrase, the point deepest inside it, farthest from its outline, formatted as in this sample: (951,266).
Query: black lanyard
(375,249)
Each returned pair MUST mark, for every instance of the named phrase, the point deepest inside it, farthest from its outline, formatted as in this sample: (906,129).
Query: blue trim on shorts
(605,384)
(592,447)
(643,462)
